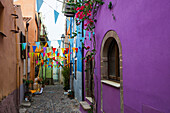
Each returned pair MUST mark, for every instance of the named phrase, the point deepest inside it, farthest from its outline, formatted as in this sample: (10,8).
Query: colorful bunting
(33,48)
(38,54)
(53,58)
(39,4)
(32,54)
(73,49)
(56,15)
(38,44)
(44,48)
(62,50)
(58,54)
(54,50)
(76,49)
(24,45)
(59,42)
(42,54)
(49,43)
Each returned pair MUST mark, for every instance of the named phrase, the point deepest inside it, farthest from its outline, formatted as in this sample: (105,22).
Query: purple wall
(111,99)
(143,27)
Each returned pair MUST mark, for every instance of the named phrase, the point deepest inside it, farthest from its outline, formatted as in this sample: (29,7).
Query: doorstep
(85,105)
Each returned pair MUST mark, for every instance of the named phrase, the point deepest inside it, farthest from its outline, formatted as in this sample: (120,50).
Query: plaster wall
(29,10)
(143,29)
(9,80)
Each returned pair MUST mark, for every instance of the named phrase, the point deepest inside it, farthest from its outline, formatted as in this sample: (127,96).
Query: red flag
(53,58)
(76,49)
(54,50)
(48,54)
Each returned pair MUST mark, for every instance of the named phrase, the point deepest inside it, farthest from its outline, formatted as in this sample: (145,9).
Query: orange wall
(28,10)
(8,62)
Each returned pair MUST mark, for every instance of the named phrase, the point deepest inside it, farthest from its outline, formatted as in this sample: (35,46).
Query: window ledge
(2,34)
(112,83)
(85,105)
(89,99)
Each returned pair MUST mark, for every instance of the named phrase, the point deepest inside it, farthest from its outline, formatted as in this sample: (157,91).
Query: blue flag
(34,47)
(49,43)
(24,45)
(56,15)
(39,4)
(38,44)
(59,42)
(42,54)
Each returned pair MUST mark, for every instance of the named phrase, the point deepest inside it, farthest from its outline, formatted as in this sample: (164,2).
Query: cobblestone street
(53,100)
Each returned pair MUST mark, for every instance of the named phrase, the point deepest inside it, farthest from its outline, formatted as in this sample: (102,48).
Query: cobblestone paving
(53,100)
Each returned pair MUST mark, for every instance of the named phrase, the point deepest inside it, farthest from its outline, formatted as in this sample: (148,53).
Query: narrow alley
(52,100)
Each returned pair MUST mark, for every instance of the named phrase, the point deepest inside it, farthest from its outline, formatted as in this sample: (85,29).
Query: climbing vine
(86,11)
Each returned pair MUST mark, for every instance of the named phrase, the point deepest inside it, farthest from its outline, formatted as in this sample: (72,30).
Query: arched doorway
(89,77)
(111,73)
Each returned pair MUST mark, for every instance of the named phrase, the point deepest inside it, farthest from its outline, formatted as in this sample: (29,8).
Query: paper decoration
(38,44)
(39,4)
(33,48)
(43,54)
(53,58)
(32,54)
(59,57)
(56,62)
(45,65)
(36,62)
(89,35)
(53,54)
(54,50)
(67,49)
(71,41)
(48,59)
(84,33)
(38,54)
(44,48)
(48,54)
(73,49)
(49,43)
(35,54)
(56,15)
(66,55)
(24,45)
(58,54)
(52,63)
(76,49)
(62,50)
(59,42)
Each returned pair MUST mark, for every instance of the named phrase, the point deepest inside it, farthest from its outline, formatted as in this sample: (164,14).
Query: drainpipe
(82,65)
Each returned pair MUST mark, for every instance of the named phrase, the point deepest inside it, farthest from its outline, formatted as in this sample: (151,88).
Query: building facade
(132,57)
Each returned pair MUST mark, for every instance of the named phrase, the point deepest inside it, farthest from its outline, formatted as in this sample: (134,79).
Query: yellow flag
(66,55)
(53,54)
(73,49)
(38,54)
(30,54)
(62,50)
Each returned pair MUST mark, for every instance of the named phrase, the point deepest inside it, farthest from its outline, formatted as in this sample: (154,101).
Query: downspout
(82,65)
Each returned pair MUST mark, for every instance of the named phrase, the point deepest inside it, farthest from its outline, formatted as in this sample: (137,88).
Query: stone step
(22,110)
(25,104)
(85,105)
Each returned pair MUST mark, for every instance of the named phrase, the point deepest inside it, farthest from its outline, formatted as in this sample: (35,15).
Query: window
(113,61)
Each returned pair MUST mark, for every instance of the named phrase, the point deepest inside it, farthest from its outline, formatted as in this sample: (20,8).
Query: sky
(54,30)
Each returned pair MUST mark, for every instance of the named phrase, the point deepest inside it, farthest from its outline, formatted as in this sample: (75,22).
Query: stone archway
(109,36)
(89,78)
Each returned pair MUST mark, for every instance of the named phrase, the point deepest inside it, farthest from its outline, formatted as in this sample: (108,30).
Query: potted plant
(66,75)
